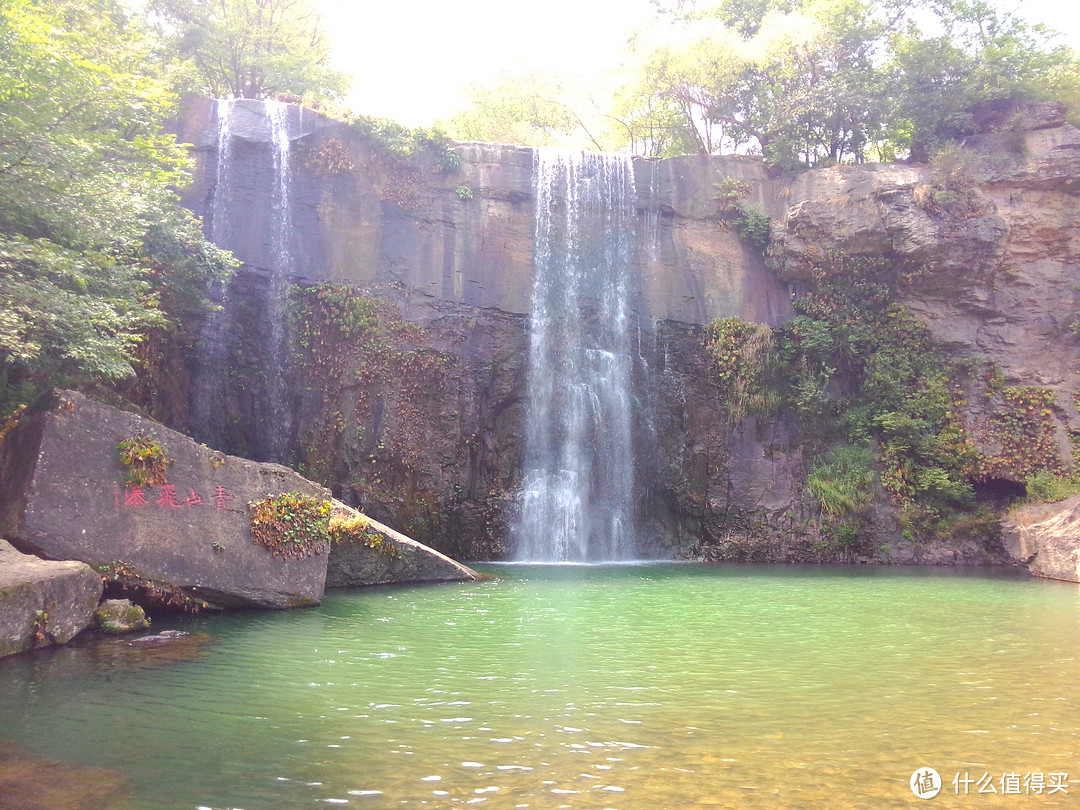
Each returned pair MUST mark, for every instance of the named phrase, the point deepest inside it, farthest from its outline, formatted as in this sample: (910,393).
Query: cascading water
(280,422)
(208,380)
(209,406)
(577,492)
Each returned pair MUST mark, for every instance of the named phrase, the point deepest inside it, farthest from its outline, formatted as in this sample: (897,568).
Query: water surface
(635,686)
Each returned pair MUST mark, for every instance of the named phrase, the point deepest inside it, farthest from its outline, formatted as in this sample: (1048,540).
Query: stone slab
(1046,538)
(62,497)
(395,559)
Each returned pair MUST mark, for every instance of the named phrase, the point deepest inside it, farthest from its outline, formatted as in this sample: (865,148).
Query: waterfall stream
(207,416)
(222,333)
(280,416)
(577,492)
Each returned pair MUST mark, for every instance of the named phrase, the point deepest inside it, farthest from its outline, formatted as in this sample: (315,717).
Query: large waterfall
(577,493)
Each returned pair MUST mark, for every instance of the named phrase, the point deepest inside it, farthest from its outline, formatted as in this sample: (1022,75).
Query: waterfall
(270,417)
(207,416)
(577,492)
(279,425)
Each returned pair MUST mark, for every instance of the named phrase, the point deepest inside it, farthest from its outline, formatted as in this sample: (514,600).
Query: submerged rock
(182,539)
(43,602)
(29,782)
(1046,538)
(374,554)
(120,616)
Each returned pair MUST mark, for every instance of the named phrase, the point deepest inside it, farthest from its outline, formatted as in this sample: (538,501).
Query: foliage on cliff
(807,82)
(95,249)
(877,399)
(352,346)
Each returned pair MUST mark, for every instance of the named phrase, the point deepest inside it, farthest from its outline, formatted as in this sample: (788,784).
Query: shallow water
(635,686)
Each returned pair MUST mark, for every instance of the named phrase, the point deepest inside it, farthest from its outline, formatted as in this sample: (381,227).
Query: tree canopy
(810,81)
(95,249)
(527,110)
(248,48)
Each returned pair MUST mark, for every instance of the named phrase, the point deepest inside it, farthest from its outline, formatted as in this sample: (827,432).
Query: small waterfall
(207,413)
(577,493)
(267,437)
(280,416)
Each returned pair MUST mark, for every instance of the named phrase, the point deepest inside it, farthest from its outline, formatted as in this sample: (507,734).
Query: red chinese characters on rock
(134,495)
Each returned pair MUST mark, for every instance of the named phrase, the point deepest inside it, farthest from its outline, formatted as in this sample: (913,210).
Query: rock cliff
(416,414)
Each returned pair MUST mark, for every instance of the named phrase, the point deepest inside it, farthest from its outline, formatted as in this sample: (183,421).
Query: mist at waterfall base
(577,492)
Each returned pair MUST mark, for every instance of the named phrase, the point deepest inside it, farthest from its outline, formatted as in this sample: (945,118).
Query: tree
(982,59)
(249,48)
(797,86)
(519,109)
(95,249)
(806,82)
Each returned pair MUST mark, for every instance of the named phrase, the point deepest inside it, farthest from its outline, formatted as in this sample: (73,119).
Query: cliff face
(420,419)
(990,250)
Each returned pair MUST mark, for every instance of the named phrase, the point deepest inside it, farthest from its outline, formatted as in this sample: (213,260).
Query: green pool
(636,686)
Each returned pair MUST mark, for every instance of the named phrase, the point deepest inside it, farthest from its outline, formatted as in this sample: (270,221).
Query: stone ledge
(43,602)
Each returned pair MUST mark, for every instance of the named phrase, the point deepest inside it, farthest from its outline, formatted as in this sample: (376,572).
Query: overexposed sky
(414,60)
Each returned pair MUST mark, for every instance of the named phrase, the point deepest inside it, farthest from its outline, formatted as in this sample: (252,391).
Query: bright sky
(414,60)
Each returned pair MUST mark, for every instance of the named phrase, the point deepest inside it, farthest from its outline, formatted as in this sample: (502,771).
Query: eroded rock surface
(1046,538)
(43,602)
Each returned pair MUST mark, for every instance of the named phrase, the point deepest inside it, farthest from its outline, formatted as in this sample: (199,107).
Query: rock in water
(374,554)
(43,602)
(120,616)
(1046,538)
(184,539)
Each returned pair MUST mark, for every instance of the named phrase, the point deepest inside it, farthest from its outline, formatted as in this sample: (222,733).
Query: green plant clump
(144,460)
(292,525)
(744,364)
(355,530)
(843,483)
(1047,487)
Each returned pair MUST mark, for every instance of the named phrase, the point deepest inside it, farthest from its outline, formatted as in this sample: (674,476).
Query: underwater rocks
(29,782)
(43,602)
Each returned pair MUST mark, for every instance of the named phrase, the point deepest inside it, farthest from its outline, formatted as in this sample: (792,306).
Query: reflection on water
(607,686)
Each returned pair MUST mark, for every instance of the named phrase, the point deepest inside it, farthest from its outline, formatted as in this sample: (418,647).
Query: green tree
(95,249)
(982,59)
(797,86)
(522,109)
(249,48)
(806,82)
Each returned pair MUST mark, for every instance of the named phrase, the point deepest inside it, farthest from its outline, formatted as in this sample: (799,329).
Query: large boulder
(375,554)
(1046,538)
(43,602)
(185,541)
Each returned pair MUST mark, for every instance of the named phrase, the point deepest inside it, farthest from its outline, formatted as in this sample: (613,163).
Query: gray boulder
(43,602)
(185,541)
(378,555)
(1046,538)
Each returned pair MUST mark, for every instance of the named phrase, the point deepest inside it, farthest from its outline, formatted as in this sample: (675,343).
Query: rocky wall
(422,423)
